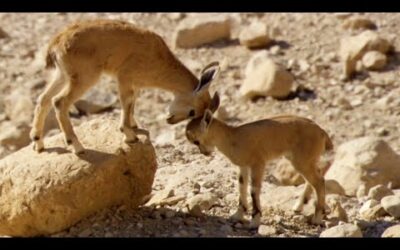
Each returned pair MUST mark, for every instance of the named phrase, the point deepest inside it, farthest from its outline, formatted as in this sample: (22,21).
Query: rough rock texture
(255,35)
(392,232)
(48,192)
(344,230)
(266,78)
(374,60)
(357,23)
(363,163)
(353,48)
(194,31)
(391,204)
(378,192)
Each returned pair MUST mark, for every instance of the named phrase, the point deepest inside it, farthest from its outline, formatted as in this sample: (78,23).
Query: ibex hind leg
(74,90)
(43,107)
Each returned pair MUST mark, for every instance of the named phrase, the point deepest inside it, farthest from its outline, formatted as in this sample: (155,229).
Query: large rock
(391,204)
(353,48)
(378,192)
(357,23)
(266,78)
(285,173)
(392,232)
(48,192)
(19,106)
(3,34)
(255,35)
(371,209)
(363,163)
(196,31)
(374,60)
(344,230)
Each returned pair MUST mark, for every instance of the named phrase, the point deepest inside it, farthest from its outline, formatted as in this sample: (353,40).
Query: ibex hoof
(38,147)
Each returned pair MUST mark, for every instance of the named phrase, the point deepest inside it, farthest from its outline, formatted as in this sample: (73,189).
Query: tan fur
(136,57)
(251,146)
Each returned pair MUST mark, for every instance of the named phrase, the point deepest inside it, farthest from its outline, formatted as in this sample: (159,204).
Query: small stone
(3,34)
(109,235)
(392,232)
(170,214)
(391,204)
(255,35)
(195,31)
(378,192)
(266,230)
(266,78)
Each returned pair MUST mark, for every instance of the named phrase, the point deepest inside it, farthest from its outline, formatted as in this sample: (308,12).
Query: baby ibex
(138,58)
(251,146)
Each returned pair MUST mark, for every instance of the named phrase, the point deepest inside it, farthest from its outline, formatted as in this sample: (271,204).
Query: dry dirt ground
(313,38)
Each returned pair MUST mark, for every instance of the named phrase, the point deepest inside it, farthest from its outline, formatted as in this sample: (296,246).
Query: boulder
(255,35)
(266,78)
(365,162)
(43,193)
(196,31)
(392,232)
(374,60)
(391,204)
(378,192)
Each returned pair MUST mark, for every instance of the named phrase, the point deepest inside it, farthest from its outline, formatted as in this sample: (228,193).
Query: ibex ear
(206,120)
(207,75)
(214,103)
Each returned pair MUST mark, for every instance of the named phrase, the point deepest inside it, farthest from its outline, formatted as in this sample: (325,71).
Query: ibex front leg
(128,124)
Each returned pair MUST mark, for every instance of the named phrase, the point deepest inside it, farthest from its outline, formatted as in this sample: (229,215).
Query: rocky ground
(306,45)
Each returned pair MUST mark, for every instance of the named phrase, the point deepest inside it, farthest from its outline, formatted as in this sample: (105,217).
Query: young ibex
(251,146)
(138,58)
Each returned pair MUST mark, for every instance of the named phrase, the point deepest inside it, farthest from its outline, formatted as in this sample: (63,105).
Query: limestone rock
(196,31)
(353,48)
(255,35)
(266,78)
(201,202)
(371,209)
(374,60)
(366,161)
(357,23)
(19,106)
(392,232)
(391,204)
(378,192)
(49,192)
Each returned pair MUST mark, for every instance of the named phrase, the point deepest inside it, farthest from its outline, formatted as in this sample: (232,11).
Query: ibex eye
(196,143)
(191,113)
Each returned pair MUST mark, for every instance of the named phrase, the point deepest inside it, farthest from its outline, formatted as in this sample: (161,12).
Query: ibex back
(136,57)
(252,145)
